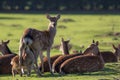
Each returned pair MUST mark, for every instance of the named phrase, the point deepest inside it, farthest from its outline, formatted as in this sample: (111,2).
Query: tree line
(59,5)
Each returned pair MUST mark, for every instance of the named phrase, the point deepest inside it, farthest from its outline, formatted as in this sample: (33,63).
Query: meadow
(81,29)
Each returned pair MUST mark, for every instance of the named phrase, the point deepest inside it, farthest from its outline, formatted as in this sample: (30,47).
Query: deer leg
(49,62)
(21,48)
(36,65)
(13,72)
(28,70)
(41,58)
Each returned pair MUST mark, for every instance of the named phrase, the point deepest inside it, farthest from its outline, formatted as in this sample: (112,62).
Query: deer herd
(32,44)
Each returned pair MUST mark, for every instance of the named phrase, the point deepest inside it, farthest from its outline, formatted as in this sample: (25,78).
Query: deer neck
(6,50)
(52,30)
(117,55)
(65,50)
(101,58)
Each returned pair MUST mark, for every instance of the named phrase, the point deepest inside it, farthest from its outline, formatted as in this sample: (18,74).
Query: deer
(109,56)
(28,61)
(5,66)
(40,41)
(84,63)
(45,60)
(65,56)
(63,49)
(4,49)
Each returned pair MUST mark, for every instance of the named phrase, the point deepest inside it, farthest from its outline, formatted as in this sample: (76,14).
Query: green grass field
(81,29)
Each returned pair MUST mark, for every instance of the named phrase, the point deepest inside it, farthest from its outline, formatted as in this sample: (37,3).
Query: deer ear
(58,16)
(93,41)
(62,39)
(2,41)
(48,16)
(119,46)
(68,41)
(114,46)
(97,43)
(7,41)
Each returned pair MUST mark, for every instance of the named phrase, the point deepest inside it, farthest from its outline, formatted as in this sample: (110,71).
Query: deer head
(3,46)
(64,46)
(53,20)
(117,50)
(93,48)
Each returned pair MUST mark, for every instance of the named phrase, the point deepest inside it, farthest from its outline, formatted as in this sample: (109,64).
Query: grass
(81,29)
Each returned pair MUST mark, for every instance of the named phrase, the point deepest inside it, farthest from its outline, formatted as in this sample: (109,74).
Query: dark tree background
(59,5)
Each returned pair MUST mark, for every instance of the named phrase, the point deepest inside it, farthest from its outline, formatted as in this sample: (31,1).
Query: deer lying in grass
(28,61)
(84,63)
(110,56)
(62,58)
(40,40)
(5,66)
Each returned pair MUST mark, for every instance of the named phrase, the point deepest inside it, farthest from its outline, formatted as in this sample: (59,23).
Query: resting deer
(40,41)
(65,56)
(5,66)
(84,63)
(110,56)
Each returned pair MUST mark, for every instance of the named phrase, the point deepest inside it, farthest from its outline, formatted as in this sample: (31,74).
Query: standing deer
(40,41)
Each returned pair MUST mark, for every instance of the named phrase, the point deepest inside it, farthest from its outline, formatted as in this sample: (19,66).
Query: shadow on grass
(110,69)
(3,75)
(9,18)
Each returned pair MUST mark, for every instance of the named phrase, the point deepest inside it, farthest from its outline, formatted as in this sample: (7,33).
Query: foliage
(59,5)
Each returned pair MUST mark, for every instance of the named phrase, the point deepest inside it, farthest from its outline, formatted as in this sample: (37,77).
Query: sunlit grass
(81,31)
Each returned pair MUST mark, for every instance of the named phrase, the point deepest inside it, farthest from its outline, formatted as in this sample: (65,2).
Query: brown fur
(84,63)
(15,65)
(81,64)
(4,49)
(45,60)
(62,58)
(40,40)
(63,48)
(109,56)
(5,66)
(28,61)
(57,63)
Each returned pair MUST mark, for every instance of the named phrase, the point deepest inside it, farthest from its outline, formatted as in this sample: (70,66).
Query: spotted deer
(40,41)
(63,49)
(84,63)
(91,49)
(65,56)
